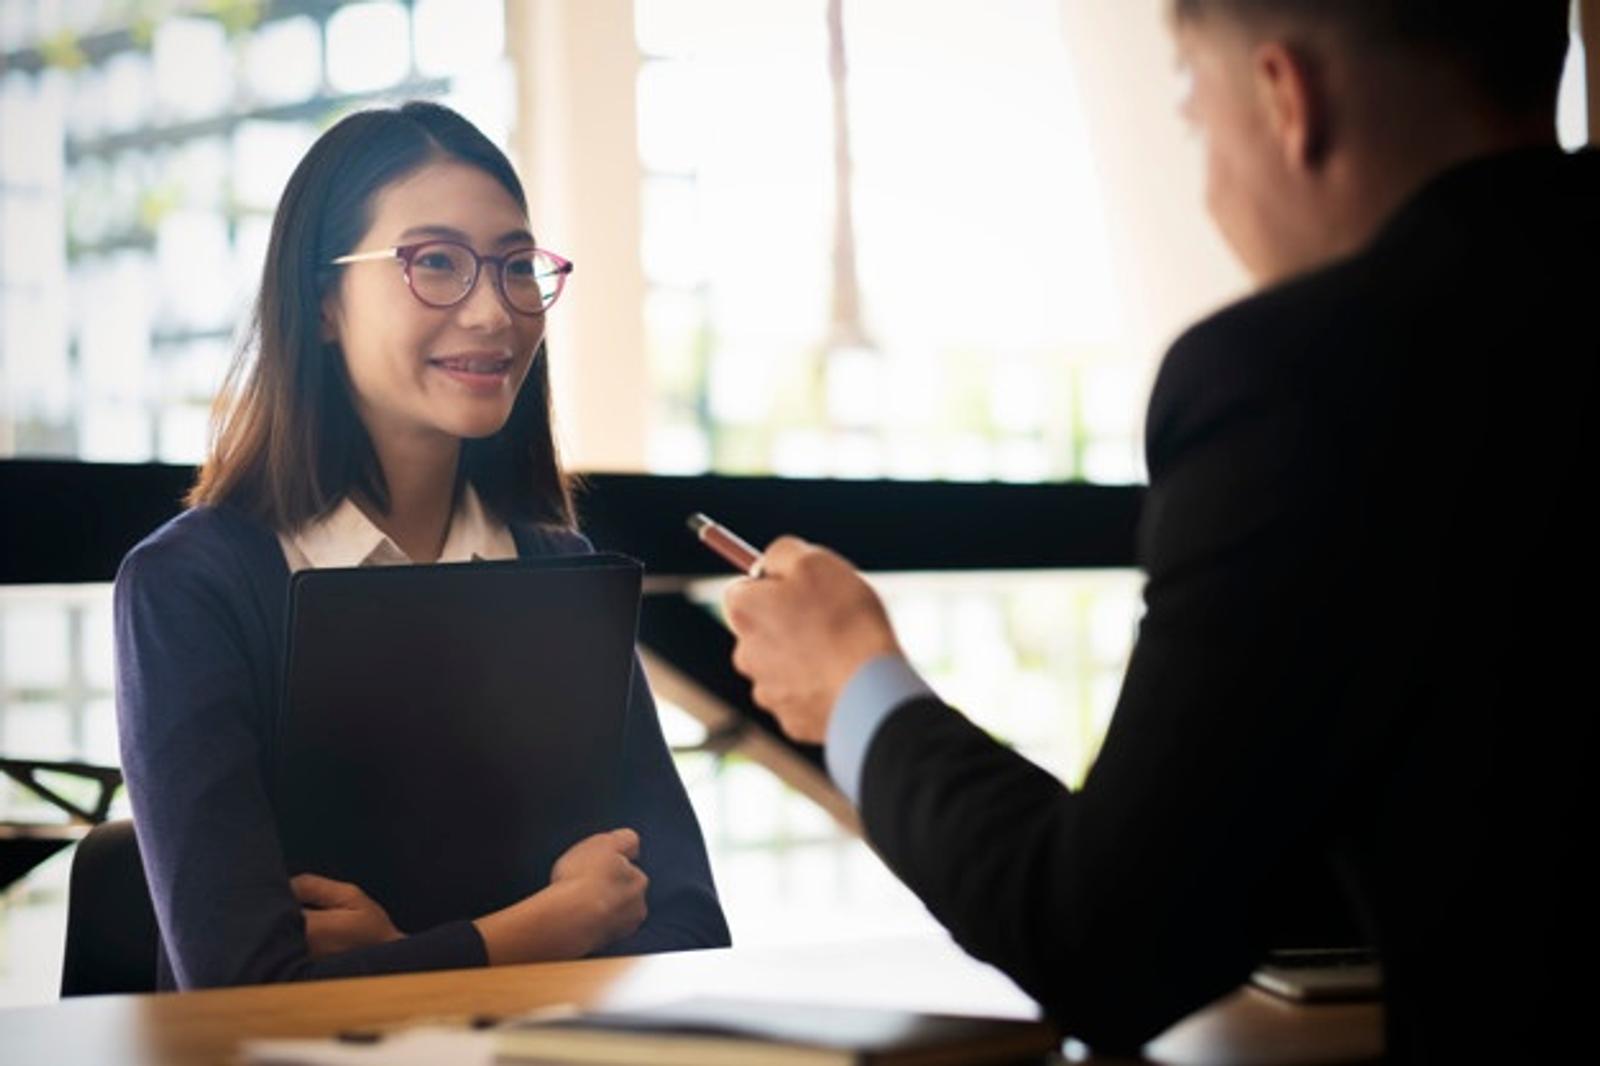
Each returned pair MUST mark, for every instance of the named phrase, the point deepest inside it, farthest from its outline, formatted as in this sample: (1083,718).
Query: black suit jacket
(1369,636)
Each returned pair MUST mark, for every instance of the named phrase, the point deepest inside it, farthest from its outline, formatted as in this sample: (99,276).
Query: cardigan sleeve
(190,730)
(684,911)
(682,899)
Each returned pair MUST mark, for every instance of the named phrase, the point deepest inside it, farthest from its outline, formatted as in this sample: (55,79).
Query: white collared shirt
(347,537)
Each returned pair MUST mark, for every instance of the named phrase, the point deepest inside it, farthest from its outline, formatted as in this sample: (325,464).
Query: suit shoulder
(1310,336)
(1282,326)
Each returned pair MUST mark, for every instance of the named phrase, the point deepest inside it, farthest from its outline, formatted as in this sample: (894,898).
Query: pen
(726,543)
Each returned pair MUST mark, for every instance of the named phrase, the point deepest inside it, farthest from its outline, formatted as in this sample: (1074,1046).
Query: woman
(392,407)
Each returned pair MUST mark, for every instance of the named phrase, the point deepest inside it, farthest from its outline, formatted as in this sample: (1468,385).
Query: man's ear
(1291,95)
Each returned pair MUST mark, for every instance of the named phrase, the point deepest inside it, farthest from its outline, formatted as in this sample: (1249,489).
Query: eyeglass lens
(442,274)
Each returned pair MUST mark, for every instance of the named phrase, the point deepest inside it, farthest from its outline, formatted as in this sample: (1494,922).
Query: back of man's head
(1321,117)
(1510,52)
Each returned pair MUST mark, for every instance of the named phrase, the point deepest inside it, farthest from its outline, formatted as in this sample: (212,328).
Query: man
(1365,545)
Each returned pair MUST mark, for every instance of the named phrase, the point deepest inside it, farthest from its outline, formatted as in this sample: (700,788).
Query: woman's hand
(596,895)
(604,890)
(339,916)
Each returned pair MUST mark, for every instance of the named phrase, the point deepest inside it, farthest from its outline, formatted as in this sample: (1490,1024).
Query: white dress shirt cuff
(876,689)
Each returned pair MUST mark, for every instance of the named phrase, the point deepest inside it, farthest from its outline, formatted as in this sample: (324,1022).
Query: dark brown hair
(1513,53)
(287,444)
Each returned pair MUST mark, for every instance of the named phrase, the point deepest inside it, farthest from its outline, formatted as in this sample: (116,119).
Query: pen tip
(698,521)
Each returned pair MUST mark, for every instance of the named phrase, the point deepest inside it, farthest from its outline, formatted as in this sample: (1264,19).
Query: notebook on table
(738,1032)
(447,731)
(1319,950)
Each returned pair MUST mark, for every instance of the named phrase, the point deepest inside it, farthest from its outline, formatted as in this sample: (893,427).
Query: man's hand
(803,629)
(339,916)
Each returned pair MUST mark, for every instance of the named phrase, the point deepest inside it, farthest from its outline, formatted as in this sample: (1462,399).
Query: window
(965,325)
(983,336)
(139,169)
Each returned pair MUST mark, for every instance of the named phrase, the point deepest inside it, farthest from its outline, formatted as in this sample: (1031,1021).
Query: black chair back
(111,924)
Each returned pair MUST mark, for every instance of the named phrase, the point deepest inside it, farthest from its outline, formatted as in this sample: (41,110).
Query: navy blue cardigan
(201,607)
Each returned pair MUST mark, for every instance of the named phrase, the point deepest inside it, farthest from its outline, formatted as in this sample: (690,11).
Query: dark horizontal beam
(880,525)
(65,522)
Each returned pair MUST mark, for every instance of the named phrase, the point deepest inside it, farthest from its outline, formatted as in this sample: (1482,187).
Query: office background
(977,291)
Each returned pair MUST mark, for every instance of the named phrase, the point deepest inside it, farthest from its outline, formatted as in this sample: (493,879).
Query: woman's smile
(485,372)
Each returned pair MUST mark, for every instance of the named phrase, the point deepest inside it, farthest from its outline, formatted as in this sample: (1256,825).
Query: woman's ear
(329,326)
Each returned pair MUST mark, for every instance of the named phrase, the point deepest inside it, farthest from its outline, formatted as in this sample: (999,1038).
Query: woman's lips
(475,364)
(479,372)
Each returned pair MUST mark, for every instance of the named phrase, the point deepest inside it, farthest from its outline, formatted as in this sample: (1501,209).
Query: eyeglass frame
(406,253)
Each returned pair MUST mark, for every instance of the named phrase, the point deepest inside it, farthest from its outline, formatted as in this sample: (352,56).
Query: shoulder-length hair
(286,442)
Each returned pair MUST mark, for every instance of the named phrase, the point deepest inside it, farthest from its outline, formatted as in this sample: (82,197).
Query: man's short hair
(1512,51)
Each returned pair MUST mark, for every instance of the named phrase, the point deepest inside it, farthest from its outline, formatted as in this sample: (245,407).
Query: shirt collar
(346,537)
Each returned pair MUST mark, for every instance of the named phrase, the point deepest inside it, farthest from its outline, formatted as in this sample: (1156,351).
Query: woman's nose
(484,308)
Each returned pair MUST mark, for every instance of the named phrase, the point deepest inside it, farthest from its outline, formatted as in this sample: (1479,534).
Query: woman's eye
(520,269)
(435,261)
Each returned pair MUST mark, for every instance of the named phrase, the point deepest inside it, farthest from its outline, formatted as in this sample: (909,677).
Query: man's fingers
(758,693)
(768,695)
(739,603)
(748,602)
(744,658)
(780,557)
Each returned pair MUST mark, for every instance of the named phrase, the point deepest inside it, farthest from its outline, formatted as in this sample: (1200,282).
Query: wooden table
(196,1028)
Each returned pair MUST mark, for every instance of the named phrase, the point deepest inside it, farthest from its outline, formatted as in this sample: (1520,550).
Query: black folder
(447,731)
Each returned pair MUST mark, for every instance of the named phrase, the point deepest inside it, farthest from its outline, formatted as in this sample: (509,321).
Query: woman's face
(427,371)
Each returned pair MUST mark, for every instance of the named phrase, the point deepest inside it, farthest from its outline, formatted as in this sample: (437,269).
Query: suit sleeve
(191,750)
(682,899)
(1132,902)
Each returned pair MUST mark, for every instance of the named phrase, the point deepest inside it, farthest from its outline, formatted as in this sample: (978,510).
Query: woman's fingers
(626,841)
(314,890)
